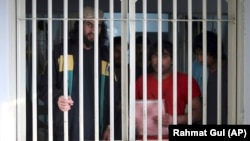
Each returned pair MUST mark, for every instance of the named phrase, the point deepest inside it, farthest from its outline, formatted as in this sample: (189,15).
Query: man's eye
(89,24)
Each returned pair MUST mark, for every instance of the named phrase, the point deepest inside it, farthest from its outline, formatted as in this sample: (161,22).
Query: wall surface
(247,63)
(7,71)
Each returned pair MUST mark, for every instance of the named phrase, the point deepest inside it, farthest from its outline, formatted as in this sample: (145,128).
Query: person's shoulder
(105,49)
(196,65)
(149,77)
(58,48)
(104,52)
(182,77)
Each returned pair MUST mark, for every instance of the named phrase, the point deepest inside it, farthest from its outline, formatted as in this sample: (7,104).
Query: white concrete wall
(247,63)
(7,72)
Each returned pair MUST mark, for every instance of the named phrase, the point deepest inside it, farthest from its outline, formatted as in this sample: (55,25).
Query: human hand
(65,104)
(106,135)
(167,119)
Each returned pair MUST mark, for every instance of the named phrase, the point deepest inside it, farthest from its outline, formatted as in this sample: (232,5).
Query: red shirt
(167,91)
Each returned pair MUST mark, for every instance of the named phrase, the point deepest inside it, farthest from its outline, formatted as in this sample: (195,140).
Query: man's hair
(103,34)
(211,43)
(166,46)
(117,40)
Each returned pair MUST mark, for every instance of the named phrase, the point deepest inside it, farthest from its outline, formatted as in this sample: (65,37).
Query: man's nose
(92,30)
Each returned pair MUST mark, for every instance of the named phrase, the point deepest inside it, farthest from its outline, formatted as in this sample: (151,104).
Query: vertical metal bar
(132,28)
(144,70)
(111,50)
(240,63)
(65,66)
(34,71)
(190,61)
(175,62)
(81,86)
(204,67)
(159,14)
(96,68)
(232,59)
(21,74)
(50,87)
(124,69)
(219,62)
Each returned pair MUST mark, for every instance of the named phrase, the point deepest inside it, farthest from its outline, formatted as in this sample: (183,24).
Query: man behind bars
(212,64)
(60,103)
(139,52)
(167,92)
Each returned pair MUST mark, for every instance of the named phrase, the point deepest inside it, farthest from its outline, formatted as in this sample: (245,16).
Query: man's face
(166,62)
(117,55)
(89,27)
(199,56)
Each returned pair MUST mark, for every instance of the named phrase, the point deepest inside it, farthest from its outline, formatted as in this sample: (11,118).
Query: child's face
(166,62)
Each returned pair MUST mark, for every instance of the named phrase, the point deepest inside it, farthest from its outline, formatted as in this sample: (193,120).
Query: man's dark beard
(87,42)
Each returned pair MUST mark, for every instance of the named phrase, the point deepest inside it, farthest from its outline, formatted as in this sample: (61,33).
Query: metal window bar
(132,28)
(111,50)
(124,71)
(159,69)
(219,97)
(81,72)
(34,71)
(204,67)
(175,61)
(144,70)
(190,61)
(232,30)
(50,80)
(96,68)
(65,65)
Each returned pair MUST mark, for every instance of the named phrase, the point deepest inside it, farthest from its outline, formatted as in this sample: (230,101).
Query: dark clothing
(88,91)
(212,96)
(138,71)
